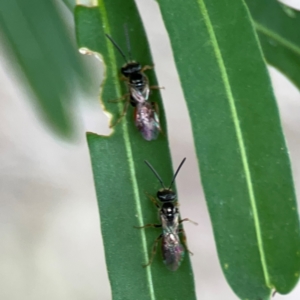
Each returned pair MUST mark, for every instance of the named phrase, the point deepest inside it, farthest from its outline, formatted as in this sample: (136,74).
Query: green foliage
(244,162)
(278,29)
(245,169)
(37,40)
(121,177)
(70,4)
(243,159)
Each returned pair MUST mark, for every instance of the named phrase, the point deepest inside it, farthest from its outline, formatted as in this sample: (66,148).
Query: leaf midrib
(129,154)
(279,39)
(239,134)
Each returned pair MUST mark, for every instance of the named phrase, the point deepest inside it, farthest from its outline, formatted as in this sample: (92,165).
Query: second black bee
(172,250)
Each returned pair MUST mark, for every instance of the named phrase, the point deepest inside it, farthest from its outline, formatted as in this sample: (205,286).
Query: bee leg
(122,115)
(123,78)
(147,67)
(184,240)
(187,219)
(123,98)
(154,248)
(152,199)
(148,225)
(156,87)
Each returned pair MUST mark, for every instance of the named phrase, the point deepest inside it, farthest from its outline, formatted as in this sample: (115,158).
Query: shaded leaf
(121,177)
(36,39)
(243,158)
(70,4)
(278,26)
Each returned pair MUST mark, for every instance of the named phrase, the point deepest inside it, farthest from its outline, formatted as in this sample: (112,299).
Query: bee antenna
(128,41)
(116,45)
(178,169)
(155,173)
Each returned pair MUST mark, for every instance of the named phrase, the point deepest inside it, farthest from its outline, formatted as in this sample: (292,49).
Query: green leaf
(243,158)
(278,26)
(70,4)
(38,42)
(121,177)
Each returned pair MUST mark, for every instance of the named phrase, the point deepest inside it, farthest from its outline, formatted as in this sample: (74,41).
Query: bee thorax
(172,238)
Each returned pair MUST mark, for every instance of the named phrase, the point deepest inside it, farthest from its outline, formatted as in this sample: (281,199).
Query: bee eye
(125,71)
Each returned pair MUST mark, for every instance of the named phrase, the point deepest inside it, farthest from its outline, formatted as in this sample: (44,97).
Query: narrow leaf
(36,40)
(278,26)
(243,158)
(121,177)
(70,4)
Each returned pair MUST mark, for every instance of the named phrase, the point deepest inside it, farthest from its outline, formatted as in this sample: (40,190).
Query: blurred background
(50,241)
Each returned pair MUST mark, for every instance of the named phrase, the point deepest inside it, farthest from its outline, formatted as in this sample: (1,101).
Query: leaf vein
(239,134)
(277,38)
(128,150)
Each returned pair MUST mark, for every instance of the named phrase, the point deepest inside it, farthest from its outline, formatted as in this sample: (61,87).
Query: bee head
(166,195)
(131,68)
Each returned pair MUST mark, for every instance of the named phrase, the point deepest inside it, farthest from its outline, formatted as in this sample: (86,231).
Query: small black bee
(172,250)
(146,116)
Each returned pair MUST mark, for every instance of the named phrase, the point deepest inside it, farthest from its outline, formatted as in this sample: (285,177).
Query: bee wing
(147,122)
(172,254)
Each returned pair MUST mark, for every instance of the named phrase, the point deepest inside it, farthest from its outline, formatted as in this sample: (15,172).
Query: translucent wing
(172,254)
(146,120)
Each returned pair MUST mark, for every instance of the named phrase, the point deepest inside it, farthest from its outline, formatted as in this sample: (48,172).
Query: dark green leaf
(244,164)
(121,177)
(278,29)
